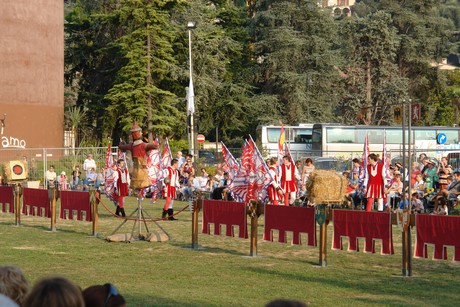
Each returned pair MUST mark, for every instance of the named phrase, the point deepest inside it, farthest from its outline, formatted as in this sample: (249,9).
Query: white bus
(298,138)
(339,140)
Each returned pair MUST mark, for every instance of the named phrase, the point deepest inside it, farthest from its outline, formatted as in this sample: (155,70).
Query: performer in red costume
(274,190)
(140,175)
(122,186)
(288,180)
(171,184)
(374,182)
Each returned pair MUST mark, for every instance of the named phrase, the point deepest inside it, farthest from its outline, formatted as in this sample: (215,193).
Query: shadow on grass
(369,286)
(48,228)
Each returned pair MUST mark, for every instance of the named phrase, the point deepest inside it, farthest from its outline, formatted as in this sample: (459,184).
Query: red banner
(440,231)
(75,201)
(36,201)
(371,226)
(293,219)
(228,213)
(7,197)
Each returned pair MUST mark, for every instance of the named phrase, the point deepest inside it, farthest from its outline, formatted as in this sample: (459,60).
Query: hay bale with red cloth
(326,187)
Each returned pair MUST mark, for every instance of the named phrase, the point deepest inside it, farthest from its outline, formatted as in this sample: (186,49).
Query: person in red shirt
(122,186)
(274,190)
(288,180)
(374,182)
(171,182)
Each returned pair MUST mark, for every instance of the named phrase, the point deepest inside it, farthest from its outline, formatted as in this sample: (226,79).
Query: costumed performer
(171,182)
(274,190)
(288,180)
(374,182)
(121,186)
(139,150)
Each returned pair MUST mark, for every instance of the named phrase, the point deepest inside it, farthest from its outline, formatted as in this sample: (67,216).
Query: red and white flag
(167,156)
(386,159)
(230,162)
(263,177)
(240,183)
(365,154)
(109,181)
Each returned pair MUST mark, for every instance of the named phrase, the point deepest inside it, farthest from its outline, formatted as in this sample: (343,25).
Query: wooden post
(254,225)
(53,195)
(17,204)
(197,205)
(254,209)
(94,202)
(322,218)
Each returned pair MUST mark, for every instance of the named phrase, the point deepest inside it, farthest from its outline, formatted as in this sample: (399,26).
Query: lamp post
(191,93)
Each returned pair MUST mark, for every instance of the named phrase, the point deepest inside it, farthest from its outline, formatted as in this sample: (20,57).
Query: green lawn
(221,273)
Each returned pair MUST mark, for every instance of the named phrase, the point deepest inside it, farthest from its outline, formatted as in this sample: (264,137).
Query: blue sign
(441,138)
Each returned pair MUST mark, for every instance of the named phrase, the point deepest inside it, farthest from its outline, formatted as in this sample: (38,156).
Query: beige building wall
(31,73)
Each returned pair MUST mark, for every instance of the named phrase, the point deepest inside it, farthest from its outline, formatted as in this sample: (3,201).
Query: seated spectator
(91,178)
(204,180)
(63,181)
(419,185)
(13,284)
(431,175)
(103,296)
(187,186)
(395,189)
(100,179)
(54,292)
(442,208)
(417,204)
(221,192)
(452,191)
(404,204)
(75,178)
(352,187)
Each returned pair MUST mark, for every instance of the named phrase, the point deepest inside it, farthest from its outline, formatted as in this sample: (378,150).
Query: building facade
(31,73)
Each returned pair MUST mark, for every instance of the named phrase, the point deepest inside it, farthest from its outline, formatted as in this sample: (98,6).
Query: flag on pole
(167,156)
(263,177)
(190,98)
(386,159)
(240,183)
(109,181)
(230,162)
(365,153)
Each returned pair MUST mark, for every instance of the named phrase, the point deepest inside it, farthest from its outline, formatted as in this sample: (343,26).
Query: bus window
(452,136)
(425,134)
(393,136)
(340,135)
(317,138)
(303,138)
(375,136)
(273,135)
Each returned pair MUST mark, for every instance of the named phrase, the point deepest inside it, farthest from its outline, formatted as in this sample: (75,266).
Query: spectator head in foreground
(13,283)
(103,296)
(54,292)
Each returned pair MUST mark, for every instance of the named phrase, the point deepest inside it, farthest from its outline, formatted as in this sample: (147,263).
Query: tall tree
(296,51)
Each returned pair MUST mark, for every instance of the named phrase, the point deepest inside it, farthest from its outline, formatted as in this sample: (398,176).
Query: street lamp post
(191,93)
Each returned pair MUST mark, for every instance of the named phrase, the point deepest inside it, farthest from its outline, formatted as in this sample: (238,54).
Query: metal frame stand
(140,214)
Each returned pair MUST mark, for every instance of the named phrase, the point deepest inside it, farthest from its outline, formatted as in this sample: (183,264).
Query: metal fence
(39,160)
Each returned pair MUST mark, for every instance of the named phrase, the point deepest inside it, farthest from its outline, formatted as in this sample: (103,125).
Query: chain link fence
(38,160)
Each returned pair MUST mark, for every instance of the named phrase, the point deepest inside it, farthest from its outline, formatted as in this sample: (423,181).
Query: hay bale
(120,237)
(156,237)
(325,187)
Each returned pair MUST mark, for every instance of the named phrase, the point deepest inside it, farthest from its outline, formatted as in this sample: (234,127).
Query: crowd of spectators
(15,290)
(433,187)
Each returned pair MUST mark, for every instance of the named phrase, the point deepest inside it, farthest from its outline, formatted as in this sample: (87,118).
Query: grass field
(221,273)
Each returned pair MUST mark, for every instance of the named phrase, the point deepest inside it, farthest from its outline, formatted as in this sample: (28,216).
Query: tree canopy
(271,61)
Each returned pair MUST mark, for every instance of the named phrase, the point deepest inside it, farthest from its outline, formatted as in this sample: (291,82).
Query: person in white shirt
(89,163)
(51,177)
